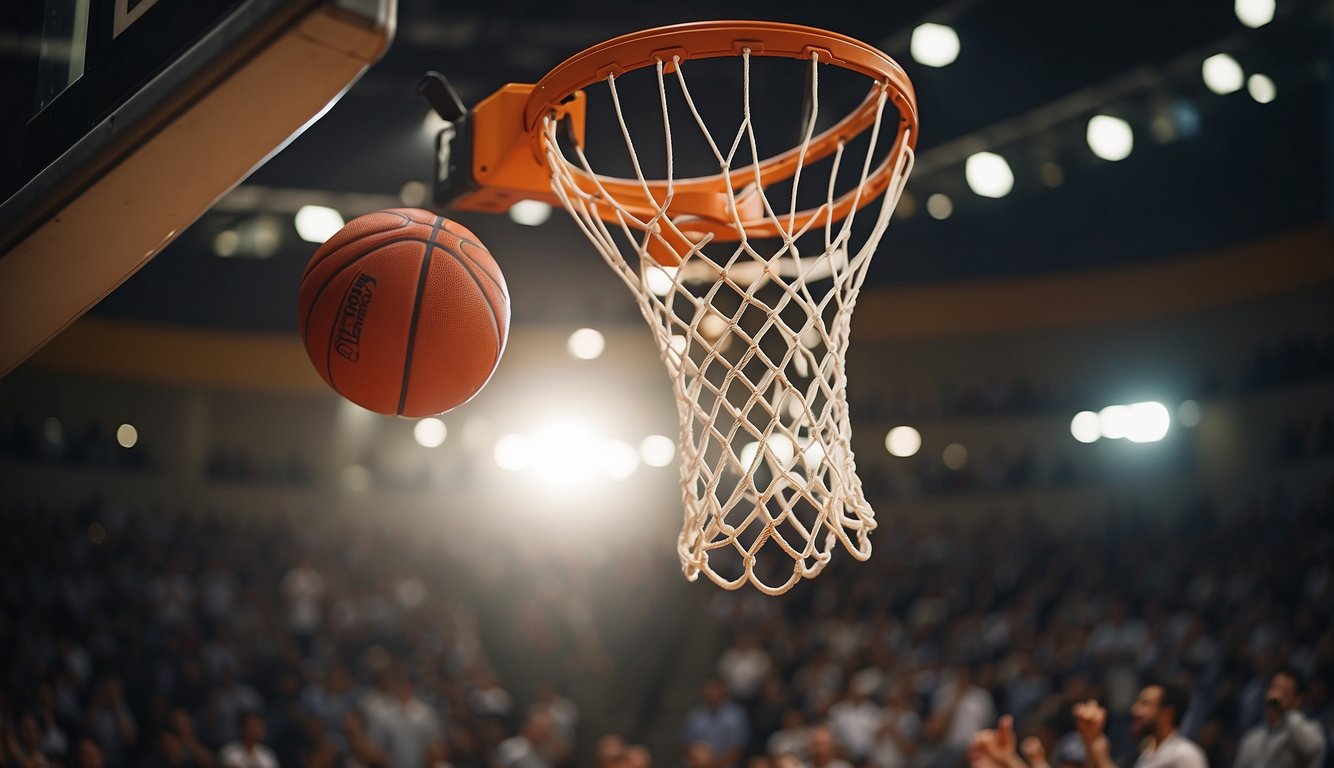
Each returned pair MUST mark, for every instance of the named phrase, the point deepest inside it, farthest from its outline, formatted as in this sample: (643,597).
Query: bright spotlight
(903,441)
(657,450)
(513,452)
(566,453)
(660,279)
(1114,421)
(585,344)
(988,175)
(429,433)
(934,45)
(619,460)
(1110,138)
(530,213)
(127,436)
(1086,427)
(226,243)
(1189,414)
(1254,13)
(940,206)
(1222,74)
(1261,88)
(1148,422)
(316,223)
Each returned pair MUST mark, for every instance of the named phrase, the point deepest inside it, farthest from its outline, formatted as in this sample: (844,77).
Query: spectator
(250,751)
(402,726)
(896,740)
(824,751)
(744,668)
(964,708)
(538,745)
(1286,739)
(855,721)
(719,723)
(793,739)
(111,723)
(1154,718)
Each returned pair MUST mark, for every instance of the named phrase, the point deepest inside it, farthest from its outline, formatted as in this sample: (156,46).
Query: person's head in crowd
(1285,692)
(89,754)
(715,693)
(170,746)
(638,756)
(537,729)
(30,734)
(760,761)
(608,750)
(699,755)
(253,728)
(1158,709)
(822,747)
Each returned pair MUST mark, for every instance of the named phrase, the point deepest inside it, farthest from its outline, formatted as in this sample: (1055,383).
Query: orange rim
(704,198)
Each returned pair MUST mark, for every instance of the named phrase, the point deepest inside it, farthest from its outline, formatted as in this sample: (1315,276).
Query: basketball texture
(404,312)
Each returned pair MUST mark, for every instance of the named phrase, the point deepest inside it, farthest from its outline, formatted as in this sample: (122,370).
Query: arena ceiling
(1207,170)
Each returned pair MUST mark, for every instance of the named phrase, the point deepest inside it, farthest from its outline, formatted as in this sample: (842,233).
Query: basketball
(404,312)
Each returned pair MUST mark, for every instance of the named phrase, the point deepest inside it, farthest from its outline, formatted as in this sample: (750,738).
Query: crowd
(902,661)
(169,638)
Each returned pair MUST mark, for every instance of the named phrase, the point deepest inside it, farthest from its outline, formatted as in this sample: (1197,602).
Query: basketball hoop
(748,286)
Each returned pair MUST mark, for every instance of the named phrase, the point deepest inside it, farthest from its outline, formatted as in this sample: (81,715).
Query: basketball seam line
(468,268)
(416,312)
(310,267)
(464,255)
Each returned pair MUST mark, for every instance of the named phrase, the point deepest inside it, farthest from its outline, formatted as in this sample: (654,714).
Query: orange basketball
(404,312)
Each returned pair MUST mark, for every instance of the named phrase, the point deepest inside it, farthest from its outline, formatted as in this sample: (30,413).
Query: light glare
(657,450)
(586,344)
(1189,413)
(1222,74)
(1114,421)
(955,456)
(1086,427)
(1148,422)
(1254,13)
(935,45)
(903,441)
(513,452)
(429,433)
(316,223)
(660,279)
(530,213)
(988,175)
(127,436)
(940,206)
(1110,138)
(1261,88)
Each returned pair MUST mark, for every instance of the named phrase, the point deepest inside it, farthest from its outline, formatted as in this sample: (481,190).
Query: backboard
(124,120)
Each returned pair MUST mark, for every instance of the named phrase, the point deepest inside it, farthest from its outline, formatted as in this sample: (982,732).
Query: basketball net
(754,338)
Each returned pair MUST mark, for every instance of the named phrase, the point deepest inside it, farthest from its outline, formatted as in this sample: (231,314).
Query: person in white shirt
(249,752)
(1286,739)
(855,722)
(1154,718)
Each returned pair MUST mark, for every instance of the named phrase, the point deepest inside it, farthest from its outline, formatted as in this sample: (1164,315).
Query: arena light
(586,344)
(934,45)
(530,213)
(429,433)
(1148,422)
(317,223)
(657,450)
(1114,421)
(513,452)
(903,441)
(619,459)
(1222,74)
(1110,138)
(660,279)
(1085,427)
(940,206)
(1254,13)
(127,436)
(988,175)
(955,456)
(1261,88)
(1189,414)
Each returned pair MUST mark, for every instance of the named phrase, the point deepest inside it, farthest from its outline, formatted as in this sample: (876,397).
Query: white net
(754,333)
